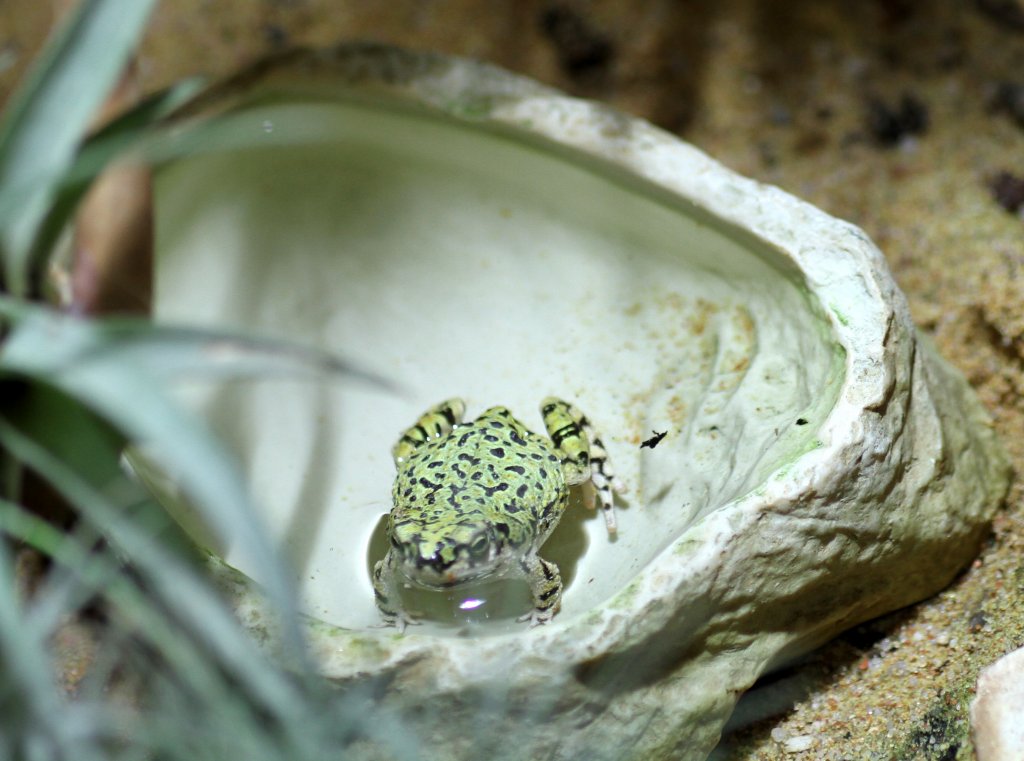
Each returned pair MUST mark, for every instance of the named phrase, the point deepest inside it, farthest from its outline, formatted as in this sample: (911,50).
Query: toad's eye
(479,547)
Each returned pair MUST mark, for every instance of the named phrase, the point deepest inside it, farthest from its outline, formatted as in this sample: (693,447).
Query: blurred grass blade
(34,706)
(113,137)
(69,354)
(165,351)
(48,116)
(169,350)
(112,141)
(213,628)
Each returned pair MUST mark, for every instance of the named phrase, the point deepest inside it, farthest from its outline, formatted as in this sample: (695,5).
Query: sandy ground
(904,118)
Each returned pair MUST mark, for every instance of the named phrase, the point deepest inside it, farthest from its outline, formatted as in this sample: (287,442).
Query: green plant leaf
(165,351)
(48,116)
(173,351)
(214,631)
(72,356)
(115,139)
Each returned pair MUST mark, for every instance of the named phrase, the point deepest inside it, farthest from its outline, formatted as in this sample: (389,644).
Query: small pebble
(995,712)
(799,744)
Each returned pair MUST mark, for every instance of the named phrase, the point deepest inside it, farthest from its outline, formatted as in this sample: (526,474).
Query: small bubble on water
(268,126)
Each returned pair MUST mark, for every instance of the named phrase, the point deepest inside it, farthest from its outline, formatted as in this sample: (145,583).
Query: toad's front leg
(386,593)
(546,587)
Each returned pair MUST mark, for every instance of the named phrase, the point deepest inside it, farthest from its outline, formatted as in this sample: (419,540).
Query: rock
(799,744)
(996,710)
(479,235)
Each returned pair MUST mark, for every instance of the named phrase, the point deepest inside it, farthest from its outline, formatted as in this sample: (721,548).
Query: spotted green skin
(493,476)
(476,500)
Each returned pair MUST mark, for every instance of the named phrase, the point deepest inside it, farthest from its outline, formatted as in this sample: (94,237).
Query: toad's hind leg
(584,457)
(434,423)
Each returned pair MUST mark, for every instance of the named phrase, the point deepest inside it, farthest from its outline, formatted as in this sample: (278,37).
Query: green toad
(474,501)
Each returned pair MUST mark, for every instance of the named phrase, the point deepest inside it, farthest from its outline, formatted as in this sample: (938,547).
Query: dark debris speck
(1008,191)
(652,442)
(1009,99)
(890,123)
(275,35)
(977,622)
(1007,13)
(583,51)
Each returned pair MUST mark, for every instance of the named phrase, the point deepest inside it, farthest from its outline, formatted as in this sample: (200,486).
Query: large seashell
(468,232)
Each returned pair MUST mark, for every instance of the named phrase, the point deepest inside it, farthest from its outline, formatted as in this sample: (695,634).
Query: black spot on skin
(489,490)
(521,491)
(435,464)
(553,458)
(428,485)
(512,508)
(801,421)
(496,424)
(465,457)
(546,595)
(536,456)
(543,473)
(567,430)
(516,469)
(516,438)
(548,409)
(502,528)
(464,438)
(489,437)
(498,452)
(477,476)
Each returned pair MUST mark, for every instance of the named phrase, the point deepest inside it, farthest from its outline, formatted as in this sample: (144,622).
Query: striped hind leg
(434,423)
(584,457)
